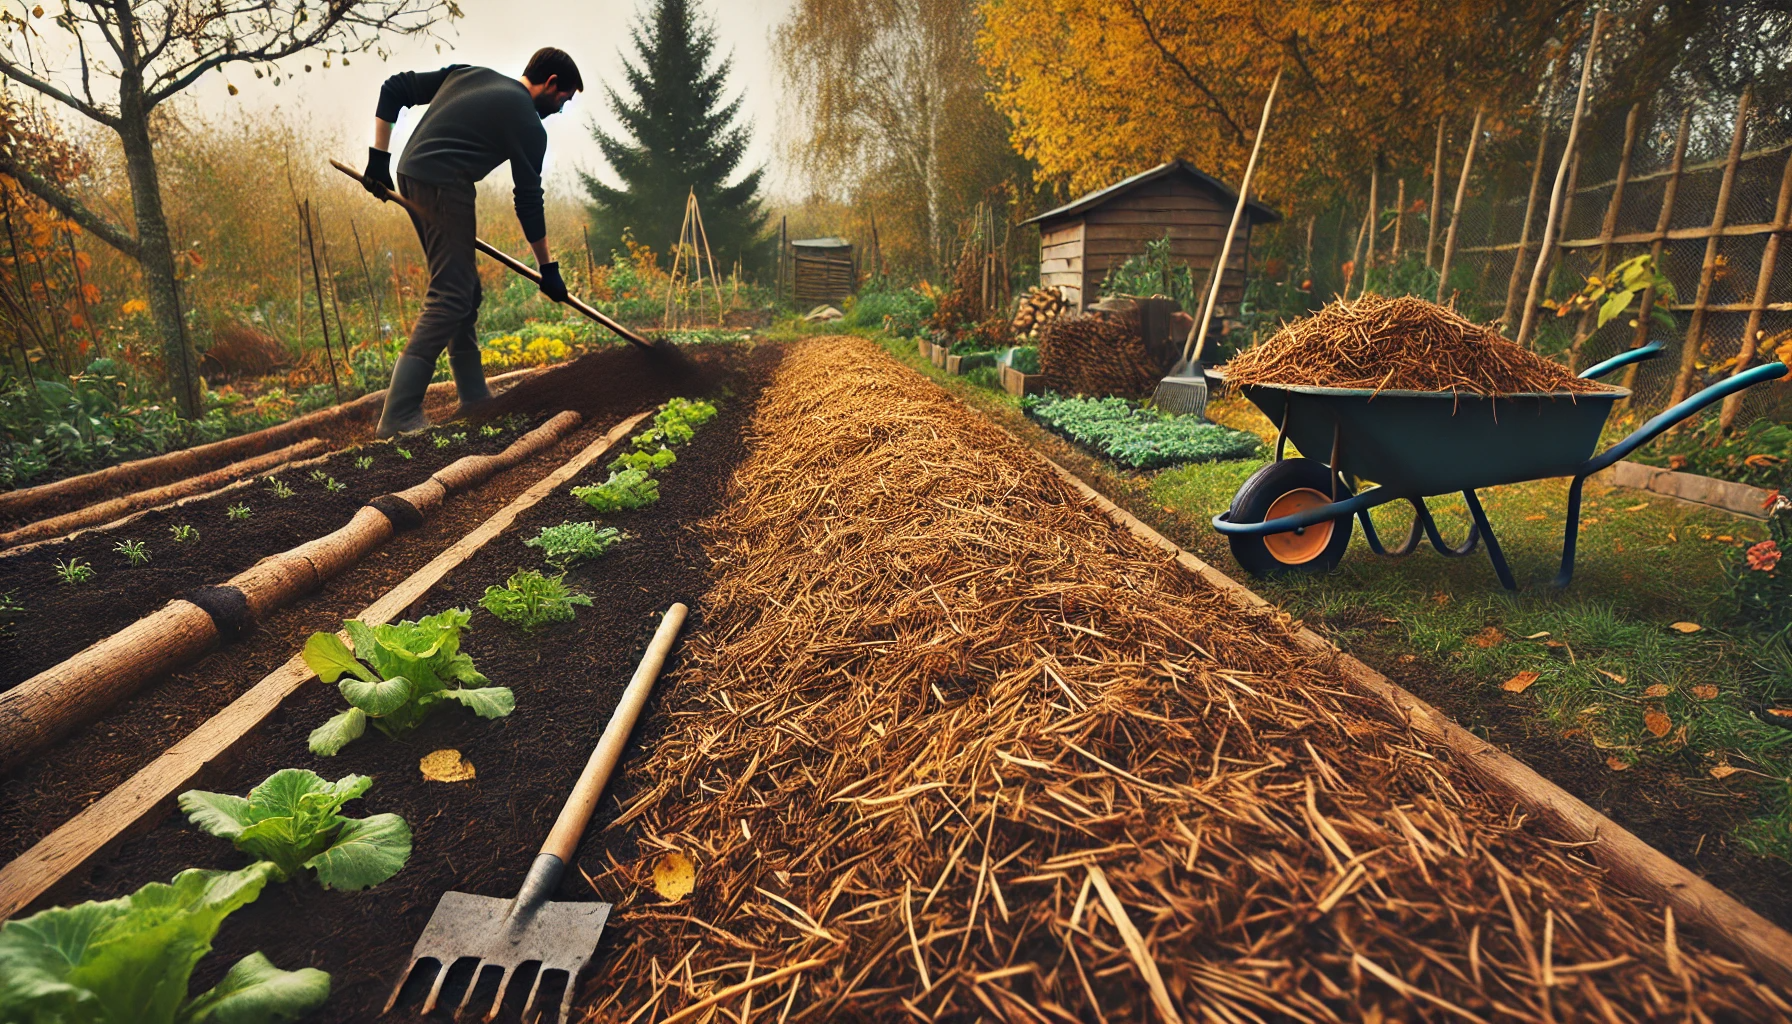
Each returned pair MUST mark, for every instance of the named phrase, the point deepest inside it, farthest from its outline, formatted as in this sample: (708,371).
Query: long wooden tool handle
(508,260)
(563,841)
(1244,193)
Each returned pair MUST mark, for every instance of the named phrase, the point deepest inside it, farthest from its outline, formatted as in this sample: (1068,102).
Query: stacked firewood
(1096,353)
(1039,308)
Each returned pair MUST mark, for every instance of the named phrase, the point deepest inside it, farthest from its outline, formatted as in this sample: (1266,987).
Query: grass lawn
(1652,725)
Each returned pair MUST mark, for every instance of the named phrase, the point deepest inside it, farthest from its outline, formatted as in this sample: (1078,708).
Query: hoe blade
(559,936)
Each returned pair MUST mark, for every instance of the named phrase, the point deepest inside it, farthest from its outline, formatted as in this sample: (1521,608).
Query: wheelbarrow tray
(1425,442)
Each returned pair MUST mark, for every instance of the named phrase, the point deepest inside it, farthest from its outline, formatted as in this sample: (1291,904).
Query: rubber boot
(469,381)
(404,399)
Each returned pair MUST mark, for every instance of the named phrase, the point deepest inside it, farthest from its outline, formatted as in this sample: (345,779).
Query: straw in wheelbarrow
(1400,344)
(561,936)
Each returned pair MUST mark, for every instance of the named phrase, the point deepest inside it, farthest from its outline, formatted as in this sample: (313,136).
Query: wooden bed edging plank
(140,801)
(50,704)
(1633,864)
(161,468)
(115,508)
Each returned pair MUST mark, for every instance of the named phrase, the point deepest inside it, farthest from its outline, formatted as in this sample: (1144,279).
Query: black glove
(551,285)
(378,176)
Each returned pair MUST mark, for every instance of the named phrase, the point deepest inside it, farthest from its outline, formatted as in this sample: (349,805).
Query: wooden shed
(1083,240)
(822,270)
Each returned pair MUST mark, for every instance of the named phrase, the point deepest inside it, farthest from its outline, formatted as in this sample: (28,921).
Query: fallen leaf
(1657,690)
(1780,712)
(1440,598)
(1488,637)
(1535,519)
(1554,643)
(1726,538)
(1705,691)
(1520,682)
(1723,771)
(1589,522)
(1686,627)
(1704,536)
(674,876)
(1613,676)
(445,766)
(1538,636)
(1617,764)
(1638,507)
(1657,722)
(1676,462)
(1407,659)
(1618,546)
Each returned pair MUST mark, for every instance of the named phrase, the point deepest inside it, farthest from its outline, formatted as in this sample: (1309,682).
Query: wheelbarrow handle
(1635,355)
(1663,420)
(508,260)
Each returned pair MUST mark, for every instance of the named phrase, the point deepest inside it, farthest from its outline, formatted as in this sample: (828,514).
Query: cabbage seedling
(291,819)
(629,489)
(133,552)
(567,543)
(409,669)
(531,600)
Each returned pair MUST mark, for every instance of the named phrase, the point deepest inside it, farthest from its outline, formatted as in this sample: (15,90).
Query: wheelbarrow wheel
(1286,488)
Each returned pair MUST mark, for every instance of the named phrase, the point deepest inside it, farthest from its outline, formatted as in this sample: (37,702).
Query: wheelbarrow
(1295,514)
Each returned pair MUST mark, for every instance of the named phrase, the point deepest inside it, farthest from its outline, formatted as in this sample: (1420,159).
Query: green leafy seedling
(292,819)
(318,476)
(396,675)
(133,552)
(629,489)
(649,461)
(74,572)
(531,600)
(334,486)
(128,959)
(403,453)
(364,462)
(183,533)
(278,486)
(567,543)
(490,430)
(10,607)
(238,511)
(442,441)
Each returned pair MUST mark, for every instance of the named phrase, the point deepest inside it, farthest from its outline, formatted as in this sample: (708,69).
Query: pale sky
(501,34)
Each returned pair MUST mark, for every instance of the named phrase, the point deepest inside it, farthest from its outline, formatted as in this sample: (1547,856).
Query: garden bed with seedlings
(560,662)
(949,744)
(67,594)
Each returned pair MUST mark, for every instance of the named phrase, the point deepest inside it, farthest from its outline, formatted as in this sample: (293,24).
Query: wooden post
(1437,197)
(1374,221)
(317,279)
(590,257)
(1670,192)
(1551,256)
(373,295)
(1695,330)
(1528,319)
(1609,226)
(298,316)
(1308,268)
(1530,202)
(323,243)
(1468,161)
(1751,334)
(1356,254)
(783,244)
(1399,219)
(398,297)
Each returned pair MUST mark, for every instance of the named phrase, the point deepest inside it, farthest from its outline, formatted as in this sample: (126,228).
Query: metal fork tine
(566,1001)
(406,976)
(533,989)
(503,985)
(472,984)
(436,989)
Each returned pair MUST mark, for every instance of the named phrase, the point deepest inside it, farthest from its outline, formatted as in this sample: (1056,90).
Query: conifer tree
(678,134)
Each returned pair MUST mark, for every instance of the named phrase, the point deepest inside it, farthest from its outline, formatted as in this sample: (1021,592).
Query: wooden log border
(1635,865)
(161,469)
(141,801)
(46,707)
(117,508)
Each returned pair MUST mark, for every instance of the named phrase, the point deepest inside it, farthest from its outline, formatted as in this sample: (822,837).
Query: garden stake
(560,935)
(512,262)
(1185,389)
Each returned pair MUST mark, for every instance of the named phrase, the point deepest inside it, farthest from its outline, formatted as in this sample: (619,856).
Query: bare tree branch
(1213,101)
(69,207)
(18,74)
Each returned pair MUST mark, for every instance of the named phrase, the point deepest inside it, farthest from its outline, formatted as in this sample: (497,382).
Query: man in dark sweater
(477,119)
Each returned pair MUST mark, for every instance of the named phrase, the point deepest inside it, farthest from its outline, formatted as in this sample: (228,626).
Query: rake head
(1184,391)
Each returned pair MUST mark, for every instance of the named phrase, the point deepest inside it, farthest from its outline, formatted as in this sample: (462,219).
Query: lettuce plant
(127,961)
(648,461)
(629,489)
(291,820)
(567,543)
(409,669)
(675,423)
(531,600)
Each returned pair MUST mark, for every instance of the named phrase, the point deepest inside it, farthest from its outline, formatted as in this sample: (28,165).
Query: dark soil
(478,836)
(60,619)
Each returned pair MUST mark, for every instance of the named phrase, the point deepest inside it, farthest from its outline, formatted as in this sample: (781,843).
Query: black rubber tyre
(1293,483)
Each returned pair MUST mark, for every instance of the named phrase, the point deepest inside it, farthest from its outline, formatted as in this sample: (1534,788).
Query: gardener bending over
(477,119)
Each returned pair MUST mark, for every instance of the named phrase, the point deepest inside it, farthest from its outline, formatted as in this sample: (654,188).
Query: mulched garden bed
(481,835)
(59,619)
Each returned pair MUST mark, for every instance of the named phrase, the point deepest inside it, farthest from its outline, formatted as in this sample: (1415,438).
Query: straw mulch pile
(1096,354)
(1403,344)
(950,745)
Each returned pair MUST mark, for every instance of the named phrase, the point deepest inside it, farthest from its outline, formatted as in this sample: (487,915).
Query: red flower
(1764,556)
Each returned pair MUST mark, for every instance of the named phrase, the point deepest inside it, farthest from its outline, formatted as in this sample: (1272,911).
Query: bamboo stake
(1695,330)
(1670,192)
(1399,220)
(373,296)
(1609,226)
(714,277)
(1468,161)
(1374,220)
(1528,320)
(1751,334)
(1437,197)
(1530,202)
(318,280)
(335,303)
(677,261)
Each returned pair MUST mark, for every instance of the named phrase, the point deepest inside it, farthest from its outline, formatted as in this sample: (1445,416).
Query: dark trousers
(447,231)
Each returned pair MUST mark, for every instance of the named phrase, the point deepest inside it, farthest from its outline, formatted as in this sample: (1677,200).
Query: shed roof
(1259,212)
(823,243)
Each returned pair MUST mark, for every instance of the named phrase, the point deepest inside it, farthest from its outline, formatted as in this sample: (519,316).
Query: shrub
(1761,579)
(1137,437)
(531,600)
(903,313)
(567,543)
